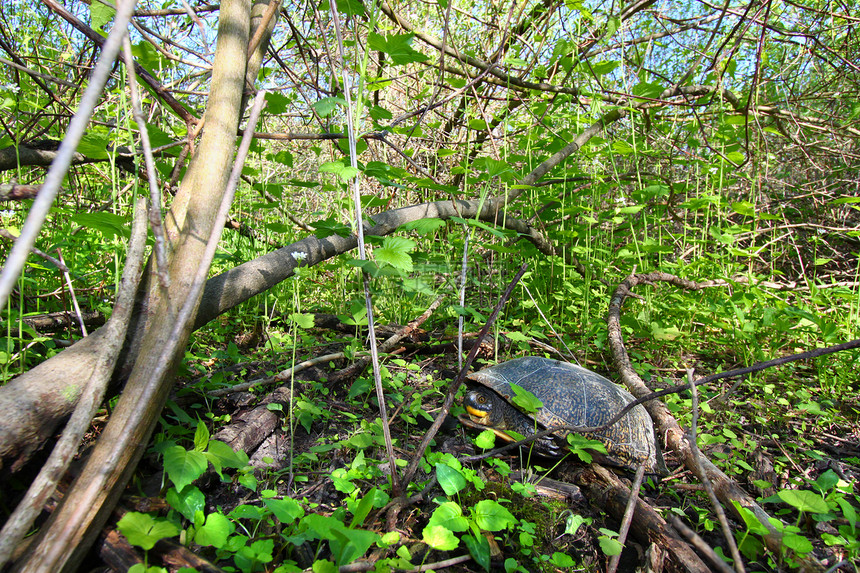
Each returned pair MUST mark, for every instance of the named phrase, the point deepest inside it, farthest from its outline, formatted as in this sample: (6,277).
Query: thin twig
(154,210)
(700,544)
(75,304)
(628,516)
(709,487)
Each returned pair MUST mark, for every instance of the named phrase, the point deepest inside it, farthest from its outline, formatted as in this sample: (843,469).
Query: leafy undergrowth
(317,494)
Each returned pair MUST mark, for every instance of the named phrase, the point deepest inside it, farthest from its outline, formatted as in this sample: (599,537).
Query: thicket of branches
(606,137)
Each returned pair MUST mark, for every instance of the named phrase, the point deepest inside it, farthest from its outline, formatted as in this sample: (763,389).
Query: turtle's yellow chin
(478,416)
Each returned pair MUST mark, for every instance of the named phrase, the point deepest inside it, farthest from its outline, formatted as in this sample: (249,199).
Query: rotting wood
(607,492)
(727,490)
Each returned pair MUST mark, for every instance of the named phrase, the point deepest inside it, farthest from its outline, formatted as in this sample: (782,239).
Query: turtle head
(485,407)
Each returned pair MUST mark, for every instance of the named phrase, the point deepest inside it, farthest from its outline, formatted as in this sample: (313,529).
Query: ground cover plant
(233,374)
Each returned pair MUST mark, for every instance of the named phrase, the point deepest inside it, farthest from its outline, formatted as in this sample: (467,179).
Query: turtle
(571,395)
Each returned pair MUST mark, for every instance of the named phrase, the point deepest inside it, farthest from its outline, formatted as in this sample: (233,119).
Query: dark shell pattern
(572,395)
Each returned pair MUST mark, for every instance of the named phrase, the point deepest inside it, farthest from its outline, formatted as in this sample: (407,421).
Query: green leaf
(424,226)
(285,510)
(609,546)
(752,522)
(220,455)
(362,509)
(603,68)
(450,479)
(797,543)
(398,46)
(440,538)
(345,172)
(525,400)
(490,515)
(479,549)
(100,16)
(744,208)
(215,531)
(395,252)
(94,145)
(188,501)
(346,7)
(201,437)
(347,545)
(144,531)
(276,104)
(327,105)
(486,440)
(108,224)
(803,500)
(182,466)
(450,516)
(302,320)
(324,566)
(573,522)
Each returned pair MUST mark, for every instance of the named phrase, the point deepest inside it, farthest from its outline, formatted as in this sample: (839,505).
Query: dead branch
(726,489)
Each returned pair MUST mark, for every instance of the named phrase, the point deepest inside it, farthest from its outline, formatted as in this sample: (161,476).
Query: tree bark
(74,526)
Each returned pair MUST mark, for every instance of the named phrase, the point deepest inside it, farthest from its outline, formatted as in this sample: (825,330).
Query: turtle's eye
(482,399)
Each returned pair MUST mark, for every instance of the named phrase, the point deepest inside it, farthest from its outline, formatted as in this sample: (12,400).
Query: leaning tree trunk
(74,525)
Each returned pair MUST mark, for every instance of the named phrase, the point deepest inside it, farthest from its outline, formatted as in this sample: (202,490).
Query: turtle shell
(571,395)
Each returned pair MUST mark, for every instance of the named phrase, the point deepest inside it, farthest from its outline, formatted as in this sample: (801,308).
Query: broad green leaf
(450,516)
(603,68)
(744,208)
(396,258)
(490,515)
(108,224)
(324,566)
(752,522)
(362,508)
(525,400)
(100,16)
(246,511)
(479,549)
(573,522)
(440,538)
(345,172)
(803,500)
(327,105)
(215,531)
(220,455)
(346,7)
(276,104)
(450,479)
(182,466)
(302,320)
(144,531)
(797,543)
(486,440)
(249,557)
(848,511)
(188,501)
(94,145)
(397,46)
(735,156)
(609,546)
(285,510)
